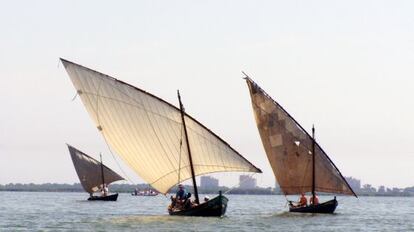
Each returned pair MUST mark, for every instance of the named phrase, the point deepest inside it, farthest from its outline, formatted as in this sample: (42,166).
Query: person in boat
(303,201)
(181,194)
(180,197)
(187,203)
(314,201)
(104,190)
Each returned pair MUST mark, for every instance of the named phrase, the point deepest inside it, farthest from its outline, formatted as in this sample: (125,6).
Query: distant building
(367,188)
(381,189)
(354,183)
(247,182)
(208,182)
(396,190)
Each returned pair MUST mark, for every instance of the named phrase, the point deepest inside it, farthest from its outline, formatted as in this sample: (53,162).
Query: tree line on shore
(123,188)
(129,188)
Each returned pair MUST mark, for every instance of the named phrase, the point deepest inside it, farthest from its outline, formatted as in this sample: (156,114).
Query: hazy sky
(346,66)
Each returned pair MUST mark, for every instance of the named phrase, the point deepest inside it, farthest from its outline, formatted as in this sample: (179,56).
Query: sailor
(181,194)
(302,200)
(104,190)
(187,201)
(314,201)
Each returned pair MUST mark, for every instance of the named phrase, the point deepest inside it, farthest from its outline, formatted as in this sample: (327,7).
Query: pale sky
(345,66)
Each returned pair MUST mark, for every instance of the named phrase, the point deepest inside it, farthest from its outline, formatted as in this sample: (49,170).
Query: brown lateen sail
(299,164)
(93,175)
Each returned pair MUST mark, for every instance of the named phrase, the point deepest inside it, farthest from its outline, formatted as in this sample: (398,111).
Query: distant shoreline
(129,188)
(126,188)
(229,193)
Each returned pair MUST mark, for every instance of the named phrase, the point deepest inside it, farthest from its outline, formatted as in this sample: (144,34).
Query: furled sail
(147,132)
(289,149)
(90,172)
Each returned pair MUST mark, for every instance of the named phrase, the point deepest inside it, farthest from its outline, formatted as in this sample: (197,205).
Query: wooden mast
(102,174)
(189,151)
(313,164)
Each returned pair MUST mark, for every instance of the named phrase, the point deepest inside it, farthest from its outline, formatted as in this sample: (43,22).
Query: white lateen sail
(147,132)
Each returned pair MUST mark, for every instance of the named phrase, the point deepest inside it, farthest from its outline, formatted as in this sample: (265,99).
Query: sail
(289,149)
(147,132)
(89,171)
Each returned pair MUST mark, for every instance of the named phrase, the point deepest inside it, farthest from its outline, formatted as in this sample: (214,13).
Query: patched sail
(289,149)
(147,132)
(89,171)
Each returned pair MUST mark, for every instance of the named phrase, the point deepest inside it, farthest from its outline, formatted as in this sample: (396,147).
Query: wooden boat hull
(326,207)
(215,207)
(112,197)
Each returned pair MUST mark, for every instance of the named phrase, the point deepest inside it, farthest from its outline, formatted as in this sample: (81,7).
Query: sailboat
(299,164)
(159,141)
(93,175)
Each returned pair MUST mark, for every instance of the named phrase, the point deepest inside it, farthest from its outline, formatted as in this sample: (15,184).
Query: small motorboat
(145,193)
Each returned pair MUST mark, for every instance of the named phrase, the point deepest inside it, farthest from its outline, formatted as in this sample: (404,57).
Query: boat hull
(112,197)
(326,207)
(215,207)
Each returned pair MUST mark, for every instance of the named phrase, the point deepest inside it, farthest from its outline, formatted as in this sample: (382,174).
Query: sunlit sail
(148,132)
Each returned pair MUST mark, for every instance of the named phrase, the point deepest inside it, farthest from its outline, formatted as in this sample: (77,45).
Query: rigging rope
(74,97)
(287,200)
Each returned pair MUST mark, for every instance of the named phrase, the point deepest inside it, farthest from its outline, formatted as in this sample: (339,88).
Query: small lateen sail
(148,134)
(289,150)
(90,172)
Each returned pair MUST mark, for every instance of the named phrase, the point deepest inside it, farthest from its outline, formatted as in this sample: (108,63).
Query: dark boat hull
(215,207)
(326,207)
(112,197)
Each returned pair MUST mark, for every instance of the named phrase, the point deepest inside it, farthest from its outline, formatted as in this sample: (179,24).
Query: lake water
(25,211)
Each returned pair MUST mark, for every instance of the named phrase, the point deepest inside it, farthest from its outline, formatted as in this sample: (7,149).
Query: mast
(189,151)
(313,164)
(102,173)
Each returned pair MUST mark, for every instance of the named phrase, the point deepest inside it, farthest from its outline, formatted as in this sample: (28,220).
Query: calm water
(21,211)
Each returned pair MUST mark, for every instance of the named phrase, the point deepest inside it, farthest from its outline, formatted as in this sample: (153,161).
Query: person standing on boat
(314,201)
(303,201)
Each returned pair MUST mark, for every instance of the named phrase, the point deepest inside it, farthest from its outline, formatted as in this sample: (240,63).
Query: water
(25,211)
